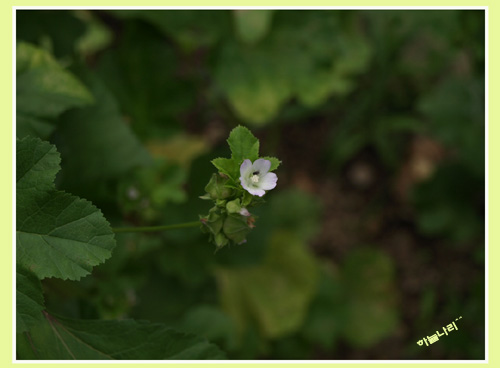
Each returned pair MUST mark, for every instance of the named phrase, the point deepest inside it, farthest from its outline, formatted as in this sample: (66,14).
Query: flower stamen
(255,179)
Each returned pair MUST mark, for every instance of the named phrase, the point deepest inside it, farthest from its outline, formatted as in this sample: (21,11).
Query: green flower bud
(233,206)
(213,222)
(236,228)
(220,240)
(221,203)
(216,187)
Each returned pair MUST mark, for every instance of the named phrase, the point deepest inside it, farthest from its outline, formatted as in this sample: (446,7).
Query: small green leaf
(275,163)
(227,166)
(29,300)
(58,235)
(63,338)
(243,145)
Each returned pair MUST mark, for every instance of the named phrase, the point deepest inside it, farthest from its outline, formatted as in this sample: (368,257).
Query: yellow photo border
(492,179)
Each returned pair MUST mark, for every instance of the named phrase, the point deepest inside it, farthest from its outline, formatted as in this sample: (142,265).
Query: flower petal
(245,183)
(268,181)
(262,166)
(256,191)
(245,168)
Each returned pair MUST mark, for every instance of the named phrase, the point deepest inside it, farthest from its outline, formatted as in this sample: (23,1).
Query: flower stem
(155,228)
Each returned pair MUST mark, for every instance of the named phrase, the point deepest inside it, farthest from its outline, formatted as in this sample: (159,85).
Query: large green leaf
(43,91)
(61,338)
(275,294)
(29,300)
(58,235)
(96,143)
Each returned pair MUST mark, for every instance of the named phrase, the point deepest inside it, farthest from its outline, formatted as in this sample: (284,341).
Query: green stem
(155,228)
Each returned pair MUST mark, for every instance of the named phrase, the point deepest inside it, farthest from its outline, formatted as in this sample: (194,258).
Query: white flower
(256,178)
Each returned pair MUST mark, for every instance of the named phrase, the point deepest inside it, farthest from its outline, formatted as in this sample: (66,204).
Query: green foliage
(58,235)
(455,113)
(259,79)
(227,166)
(190,29)
(297,210)
(147,190)
(275,293)
(369,297)
(139,102)
(126,70)
(450,203)
(225,222)
(43,91)
(43,28)
(62,338)
(252,25)
(211,323)
(97,143)
(29,300)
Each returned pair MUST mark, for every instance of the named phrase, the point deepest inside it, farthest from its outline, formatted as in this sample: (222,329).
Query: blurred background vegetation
(374,237)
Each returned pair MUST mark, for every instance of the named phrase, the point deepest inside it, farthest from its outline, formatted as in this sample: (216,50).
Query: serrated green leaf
(243,144)
(275,163)
(37,164)
(58,235)
(29,300)
(43,91)
(62,338)
(227,166)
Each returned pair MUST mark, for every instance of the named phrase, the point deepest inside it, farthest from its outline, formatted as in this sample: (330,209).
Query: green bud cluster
(224,222)
(229,220)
